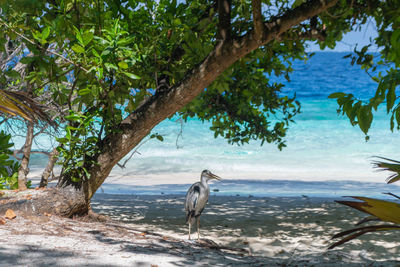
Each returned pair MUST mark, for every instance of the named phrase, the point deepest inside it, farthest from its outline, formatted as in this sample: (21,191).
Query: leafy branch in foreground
(379,210)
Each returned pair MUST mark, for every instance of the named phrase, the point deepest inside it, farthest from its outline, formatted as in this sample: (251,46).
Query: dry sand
(281,231)
(276,231)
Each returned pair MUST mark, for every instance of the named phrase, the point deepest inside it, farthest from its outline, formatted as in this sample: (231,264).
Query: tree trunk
(24,169)
(64,202)
(167,102)
(49,168)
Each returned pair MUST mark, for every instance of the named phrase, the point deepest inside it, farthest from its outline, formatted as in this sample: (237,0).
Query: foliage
(8,167)
(119,53)
(379,210)
(78,146)
(242,103)
(385,66)
(101,61)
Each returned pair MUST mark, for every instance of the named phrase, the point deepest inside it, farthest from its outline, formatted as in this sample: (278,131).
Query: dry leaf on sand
(10,214)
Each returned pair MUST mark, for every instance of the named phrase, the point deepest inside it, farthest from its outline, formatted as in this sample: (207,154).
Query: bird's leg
(198,228)
(190,226)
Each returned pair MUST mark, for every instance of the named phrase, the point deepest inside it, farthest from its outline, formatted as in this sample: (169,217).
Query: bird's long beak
(213,176)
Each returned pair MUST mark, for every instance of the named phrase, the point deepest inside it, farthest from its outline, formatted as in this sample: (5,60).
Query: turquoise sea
(325,155)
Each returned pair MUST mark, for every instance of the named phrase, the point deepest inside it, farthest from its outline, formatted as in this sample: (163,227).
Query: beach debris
(2,221)
(47,214)
(154,265)
(2,193)
(10,214)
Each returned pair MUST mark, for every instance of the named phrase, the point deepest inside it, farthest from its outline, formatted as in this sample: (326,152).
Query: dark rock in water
(215,190)
(251,196)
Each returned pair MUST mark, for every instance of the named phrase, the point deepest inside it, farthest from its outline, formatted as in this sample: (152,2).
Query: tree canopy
(111,70)
(383,67)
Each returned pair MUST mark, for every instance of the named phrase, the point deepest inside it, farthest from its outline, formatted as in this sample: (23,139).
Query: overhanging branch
(164,104)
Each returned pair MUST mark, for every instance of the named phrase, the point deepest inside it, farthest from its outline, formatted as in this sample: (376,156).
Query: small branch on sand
(204,243)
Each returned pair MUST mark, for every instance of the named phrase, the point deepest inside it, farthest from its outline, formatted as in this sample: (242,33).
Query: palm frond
(391,194)
(368,219)
(391,166)
(11,106)
(20,104)
(356,232)
(384,210)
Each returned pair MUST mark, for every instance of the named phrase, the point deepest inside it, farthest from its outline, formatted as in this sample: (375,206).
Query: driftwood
(204,243)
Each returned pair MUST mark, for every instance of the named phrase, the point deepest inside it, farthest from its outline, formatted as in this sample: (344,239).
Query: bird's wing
(192,196)
(201,200)
(191,201)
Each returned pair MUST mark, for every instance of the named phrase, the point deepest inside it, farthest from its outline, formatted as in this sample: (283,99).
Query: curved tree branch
(164,104)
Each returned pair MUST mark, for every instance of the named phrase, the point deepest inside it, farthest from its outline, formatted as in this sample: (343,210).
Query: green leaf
(13,74)
(110,66)
(84,91)
(79,38)
(364,116)
(390,97)
(27,60)
(46,33)
(131,75)
(87,37)
(336,95)
(123,65)
(78,49)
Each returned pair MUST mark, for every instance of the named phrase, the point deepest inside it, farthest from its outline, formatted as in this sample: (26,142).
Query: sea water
(325,155)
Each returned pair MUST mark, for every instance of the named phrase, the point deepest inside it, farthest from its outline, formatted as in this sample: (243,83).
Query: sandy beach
(274,231)
(284,230)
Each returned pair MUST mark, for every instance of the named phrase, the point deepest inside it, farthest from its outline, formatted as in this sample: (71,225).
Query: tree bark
(165,103)
(49,168)
(68,200)
(65,202)
(24,169)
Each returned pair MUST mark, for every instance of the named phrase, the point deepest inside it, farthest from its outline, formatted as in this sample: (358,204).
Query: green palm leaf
(391,166)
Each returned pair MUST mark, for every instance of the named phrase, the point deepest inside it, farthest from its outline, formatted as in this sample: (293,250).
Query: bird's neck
(204,181)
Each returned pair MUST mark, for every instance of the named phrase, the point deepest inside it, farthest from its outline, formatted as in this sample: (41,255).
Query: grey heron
(196,199)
